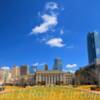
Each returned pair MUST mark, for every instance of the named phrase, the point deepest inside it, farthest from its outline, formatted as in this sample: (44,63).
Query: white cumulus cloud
(51,6)
(36,64)
(71,71)
(39,64)
(71,65)
(55,42)
(5,68)
(49,21)
(61,32)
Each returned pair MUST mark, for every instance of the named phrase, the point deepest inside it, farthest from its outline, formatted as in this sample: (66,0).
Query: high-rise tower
(93,45)
(57,64)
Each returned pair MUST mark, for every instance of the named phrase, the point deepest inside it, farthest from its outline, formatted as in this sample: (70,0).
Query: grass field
(47,93)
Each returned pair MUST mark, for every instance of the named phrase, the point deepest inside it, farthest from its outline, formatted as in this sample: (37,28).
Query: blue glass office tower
(93,45)
(57,64)
(32,69)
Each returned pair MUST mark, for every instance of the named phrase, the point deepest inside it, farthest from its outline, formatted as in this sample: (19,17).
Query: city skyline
(36,33)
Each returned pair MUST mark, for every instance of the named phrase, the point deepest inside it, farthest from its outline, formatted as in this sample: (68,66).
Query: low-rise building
(53,77)
(5,74)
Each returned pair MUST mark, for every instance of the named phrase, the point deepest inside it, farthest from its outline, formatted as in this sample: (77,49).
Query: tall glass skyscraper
(32,69)
(93,45)
(57,64)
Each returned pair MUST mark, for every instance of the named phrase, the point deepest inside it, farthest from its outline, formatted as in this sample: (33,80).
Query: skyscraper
(46,67)
(32,69)
(93,45)
(15,71)
(24,70)
(57,64)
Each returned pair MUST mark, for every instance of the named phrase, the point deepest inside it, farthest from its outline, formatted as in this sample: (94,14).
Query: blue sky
(38,31)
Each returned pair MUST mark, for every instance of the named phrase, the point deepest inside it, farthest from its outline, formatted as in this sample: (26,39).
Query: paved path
(89,91)
(84,90)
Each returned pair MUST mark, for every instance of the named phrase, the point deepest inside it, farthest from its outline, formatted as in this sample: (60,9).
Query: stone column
(54,79)
(36,79)
(51,79)
(40,77)
(46,79)
(60,77)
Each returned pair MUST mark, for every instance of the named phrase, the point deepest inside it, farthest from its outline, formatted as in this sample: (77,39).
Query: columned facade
(53,78)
